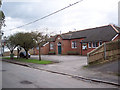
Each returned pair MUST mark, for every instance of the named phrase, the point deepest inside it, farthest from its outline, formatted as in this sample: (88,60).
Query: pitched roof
(67,36)
(103,33)
(52,38)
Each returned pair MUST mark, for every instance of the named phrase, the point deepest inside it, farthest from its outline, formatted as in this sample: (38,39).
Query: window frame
(100,42)
(89,43)
(96,44)
(74,44)
(51,46)
(58,38)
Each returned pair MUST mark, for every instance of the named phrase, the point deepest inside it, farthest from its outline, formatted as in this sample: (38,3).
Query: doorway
(59,48)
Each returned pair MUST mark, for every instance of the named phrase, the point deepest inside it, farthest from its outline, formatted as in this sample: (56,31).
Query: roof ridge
(114,28)
(93,28)
(84,29)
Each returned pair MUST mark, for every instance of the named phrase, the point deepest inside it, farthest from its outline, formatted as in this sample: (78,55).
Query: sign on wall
(84,46)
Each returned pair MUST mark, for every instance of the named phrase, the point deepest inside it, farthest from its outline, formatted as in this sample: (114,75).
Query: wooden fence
(107,51)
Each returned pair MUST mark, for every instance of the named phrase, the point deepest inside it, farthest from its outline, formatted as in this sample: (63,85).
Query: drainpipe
(81,48)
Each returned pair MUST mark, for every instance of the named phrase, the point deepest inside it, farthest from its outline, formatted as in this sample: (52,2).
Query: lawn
(30,60)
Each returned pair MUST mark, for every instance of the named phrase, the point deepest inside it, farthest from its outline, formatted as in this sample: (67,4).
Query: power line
(47,15)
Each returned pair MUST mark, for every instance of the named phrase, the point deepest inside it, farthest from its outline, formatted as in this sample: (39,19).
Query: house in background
(80,42)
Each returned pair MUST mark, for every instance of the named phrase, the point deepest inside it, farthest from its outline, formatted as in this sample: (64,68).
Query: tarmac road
(16,76)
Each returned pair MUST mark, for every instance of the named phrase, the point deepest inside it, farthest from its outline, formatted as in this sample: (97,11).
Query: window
(37,48)
(89,45)
(59,44)
(58,38)
(100,43)
(95,44)
(51,46)
(74,45)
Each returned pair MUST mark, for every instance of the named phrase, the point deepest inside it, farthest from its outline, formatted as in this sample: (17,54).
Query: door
(59,48)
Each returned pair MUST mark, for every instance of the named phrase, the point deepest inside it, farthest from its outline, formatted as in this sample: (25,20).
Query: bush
(51,53)
(72,53)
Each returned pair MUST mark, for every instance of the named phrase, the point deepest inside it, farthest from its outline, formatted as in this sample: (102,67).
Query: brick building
(80,42)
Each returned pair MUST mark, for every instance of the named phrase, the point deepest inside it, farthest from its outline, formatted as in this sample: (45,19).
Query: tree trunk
(26,54)
(39,53)
(11,51)
(11,55)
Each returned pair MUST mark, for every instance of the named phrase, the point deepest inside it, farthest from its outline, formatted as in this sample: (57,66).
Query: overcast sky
(86,14)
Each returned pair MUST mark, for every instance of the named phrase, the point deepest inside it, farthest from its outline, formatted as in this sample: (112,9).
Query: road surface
(16,76)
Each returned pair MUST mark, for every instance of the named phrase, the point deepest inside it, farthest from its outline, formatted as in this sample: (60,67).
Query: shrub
(72,53)
(51,53)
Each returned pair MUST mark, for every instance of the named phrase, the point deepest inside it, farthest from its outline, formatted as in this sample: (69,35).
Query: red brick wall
(78,45)
(45,49)
(65,46)
(53,46)
(36,51)
(84,52)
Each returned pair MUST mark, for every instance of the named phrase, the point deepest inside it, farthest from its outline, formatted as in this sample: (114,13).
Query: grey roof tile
(103,33)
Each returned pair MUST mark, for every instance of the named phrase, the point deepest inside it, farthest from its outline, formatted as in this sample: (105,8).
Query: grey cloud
(82,15)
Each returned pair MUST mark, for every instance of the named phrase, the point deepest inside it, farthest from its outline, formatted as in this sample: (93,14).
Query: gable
(58,38)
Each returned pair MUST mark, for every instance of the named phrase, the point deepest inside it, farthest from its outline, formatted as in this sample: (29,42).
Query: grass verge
(30,60)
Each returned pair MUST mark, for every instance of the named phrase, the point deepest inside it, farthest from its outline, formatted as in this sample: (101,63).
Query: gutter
(115,37)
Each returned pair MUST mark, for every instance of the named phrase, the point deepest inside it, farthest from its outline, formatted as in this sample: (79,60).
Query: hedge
(51,53)
(72,53)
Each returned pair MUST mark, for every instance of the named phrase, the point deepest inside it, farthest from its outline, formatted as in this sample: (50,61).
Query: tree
(0,3)
(26,41)
(10,43)
(2,17)
(18,51)
(40,39)
(2,22)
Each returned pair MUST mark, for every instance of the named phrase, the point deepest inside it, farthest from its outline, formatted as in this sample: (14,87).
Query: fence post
(88,58)
(104,51)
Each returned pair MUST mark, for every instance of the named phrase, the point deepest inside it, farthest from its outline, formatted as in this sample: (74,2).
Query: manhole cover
(26,82)
(3,70)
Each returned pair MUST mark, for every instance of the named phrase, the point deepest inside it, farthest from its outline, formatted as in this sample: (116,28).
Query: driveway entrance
(67,62)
